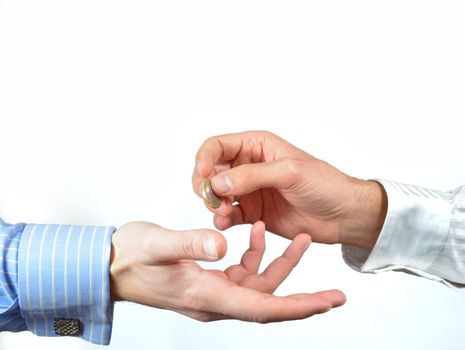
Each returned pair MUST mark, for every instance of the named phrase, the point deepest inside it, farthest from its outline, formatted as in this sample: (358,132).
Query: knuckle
(262,319)
(212,140)
(294,166)
(245,174)
(259,316)
(293,170)
(265,285)
(191,299)
(262,133)
(289,262)
(185,246)
(209,142)
(267,134)
(204,318)
(146,246)
(195,303)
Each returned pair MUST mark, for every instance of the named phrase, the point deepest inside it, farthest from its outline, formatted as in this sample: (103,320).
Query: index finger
(215,151)
(219,153)
(281,267)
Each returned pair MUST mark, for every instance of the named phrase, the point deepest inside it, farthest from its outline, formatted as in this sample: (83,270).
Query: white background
(103,105)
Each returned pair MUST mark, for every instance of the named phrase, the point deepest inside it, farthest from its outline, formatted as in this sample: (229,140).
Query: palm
(154,266)
(240,286)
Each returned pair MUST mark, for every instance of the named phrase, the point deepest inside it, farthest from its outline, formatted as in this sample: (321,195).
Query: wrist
(365,217)
(115,271)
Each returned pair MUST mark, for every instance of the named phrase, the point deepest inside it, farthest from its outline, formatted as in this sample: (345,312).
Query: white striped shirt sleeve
(423,233)
(56,272)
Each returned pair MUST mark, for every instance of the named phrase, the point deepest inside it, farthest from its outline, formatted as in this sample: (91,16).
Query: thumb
(202,244)
(246,178)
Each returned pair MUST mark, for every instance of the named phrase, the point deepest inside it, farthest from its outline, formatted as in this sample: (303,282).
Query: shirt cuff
(63,273)
(10,316)
(413,235)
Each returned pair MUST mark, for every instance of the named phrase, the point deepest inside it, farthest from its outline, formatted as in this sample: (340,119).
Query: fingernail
(222,183)
(209,246)
(306,246)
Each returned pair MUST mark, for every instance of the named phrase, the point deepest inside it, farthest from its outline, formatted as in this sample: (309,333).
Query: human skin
(260,176)
(154,266)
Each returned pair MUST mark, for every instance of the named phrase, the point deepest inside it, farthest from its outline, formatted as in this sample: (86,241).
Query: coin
(210,198)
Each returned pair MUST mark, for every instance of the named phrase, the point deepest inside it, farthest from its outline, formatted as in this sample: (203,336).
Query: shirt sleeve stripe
(91,290)
(53,270)
(27,314)
(41,292)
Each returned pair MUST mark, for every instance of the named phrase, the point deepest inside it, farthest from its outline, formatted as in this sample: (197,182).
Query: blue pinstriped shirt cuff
(63,273)
(10,317)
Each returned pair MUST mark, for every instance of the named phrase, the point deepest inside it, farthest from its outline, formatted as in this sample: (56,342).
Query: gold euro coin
(210,198)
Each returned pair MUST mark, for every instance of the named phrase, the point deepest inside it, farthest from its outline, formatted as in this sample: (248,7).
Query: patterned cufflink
(67,326)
